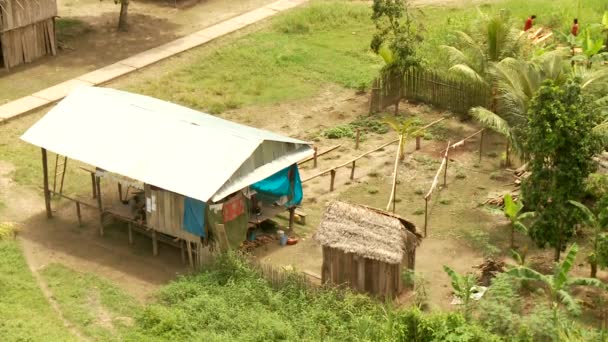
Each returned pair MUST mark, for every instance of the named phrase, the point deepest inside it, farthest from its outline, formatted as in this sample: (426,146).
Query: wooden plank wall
(360,274)
(168,218)
(20,13)
(26,44)
(426,86)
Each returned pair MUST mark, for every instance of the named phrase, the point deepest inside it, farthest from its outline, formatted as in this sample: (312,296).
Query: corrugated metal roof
(157,142)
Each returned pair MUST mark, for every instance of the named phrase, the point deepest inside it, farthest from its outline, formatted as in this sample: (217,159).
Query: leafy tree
(395,40)
(463,286)
(558,284)
(405,129)
(599,223)
(561,143)
(512,212)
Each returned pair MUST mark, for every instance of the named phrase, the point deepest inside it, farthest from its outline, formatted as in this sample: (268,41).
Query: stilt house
(27,31)
(192,176)
(366,248)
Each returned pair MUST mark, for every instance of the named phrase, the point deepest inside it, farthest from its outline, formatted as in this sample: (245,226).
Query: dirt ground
(88,38)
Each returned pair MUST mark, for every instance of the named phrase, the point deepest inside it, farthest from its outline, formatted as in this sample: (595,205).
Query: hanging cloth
(233,207)
(286,182)
(194,216)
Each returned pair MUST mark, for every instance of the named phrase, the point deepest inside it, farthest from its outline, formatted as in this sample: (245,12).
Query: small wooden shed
(27,31)
(366,248)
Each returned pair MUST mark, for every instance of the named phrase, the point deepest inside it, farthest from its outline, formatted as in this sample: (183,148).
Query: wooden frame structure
(27,31)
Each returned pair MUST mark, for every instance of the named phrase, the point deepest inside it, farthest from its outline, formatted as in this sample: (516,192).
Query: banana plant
(405,128)
(512,211)
(592,49)
(599,223)
(557,285)
(463,286)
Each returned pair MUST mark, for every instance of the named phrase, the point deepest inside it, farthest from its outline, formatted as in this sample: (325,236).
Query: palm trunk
(122,20)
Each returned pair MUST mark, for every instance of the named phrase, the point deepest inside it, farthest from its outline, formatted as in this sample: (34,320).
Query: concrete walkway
(57,92)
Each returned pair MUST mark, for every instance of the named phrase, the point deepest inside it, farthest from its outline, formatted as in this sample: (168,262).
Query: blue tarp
(279,185)
(194,216)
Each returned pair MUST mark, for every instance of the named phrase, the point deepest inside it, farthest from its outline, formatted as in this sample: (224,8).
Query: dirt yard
(88,38)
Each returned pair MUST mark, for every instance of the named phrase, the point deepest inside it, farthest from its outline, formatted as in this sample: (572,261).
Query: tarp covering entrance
(286,182)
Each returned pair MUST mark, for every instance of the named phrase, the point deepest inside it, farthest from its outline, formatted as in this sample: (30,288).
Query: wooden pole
(333,178)
(352,171)
(357,139)
(426,214)
(418,138)
(45,176)
(99,204)
(394,196)
(292,212)
(93,185)
(119,191)
(155,243)
(445,171)
(78,214)
(315,158)
(65,165)
(395,169)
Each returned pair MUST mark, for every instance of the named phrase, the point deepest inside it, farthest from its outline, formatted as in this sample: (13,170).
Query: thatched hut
(366,248)
(27,31)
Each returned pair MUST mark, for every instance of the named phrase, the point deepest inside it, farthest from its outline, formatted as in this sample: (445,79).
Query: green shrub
(339,132)
(596,185)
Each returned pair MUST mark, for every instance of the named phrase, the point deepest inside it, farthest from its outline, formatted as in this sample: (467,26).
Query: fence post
(78,214)
(426,213)
(445,171)
(418,138)
(333,178)
(314,157)
(352,171)
(357,140)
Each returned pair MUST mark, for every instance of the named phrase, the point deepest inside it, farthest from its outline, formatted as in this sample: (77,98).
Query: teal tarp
(286,182)
(194,216)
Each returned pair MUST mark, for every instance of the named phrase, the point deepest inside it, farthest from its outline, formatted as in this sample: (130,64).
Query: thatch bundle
(366,232)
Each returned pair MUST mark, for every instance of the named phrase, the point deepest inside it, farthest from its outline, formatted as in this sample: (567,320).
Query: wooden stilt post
(99,204)
(154,243)
(333,178)
(189,249)
(78,214)
(314,157)
(119,191)
(292,213)
(426,214)
(47,193)
(357,139)
(65,166)
(418,138)
(352,171)
(182,247)
(93,185)
(130,229)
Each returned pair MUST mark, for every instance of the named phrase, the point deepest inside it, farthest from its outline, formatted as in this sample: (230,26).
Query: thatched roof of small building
(368,232)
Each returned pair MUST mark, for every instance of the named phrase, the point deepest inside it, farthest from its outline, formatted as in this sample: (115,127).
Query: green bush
(596,185)
(339,132)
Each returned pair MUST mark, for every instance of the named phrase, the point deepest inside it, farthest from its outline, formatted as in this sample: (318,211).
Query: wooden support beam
(154,243)
(45,176)
(182,248)
(99,204)
(78,214)
(189,248)
(333,179)
(93,185)
(292,212)
(119,191)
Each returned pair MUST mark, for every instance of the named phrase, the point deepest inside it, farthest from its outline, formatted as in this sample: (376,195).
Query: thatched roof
(366,231)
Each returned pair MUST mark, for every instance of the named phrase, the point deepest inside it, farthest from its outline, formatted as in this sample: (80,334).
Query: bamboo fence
(441,91)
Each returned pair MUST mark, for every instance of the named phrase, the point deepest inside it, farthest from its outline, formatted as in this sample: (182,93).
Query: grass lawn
(99,309)
(25,314)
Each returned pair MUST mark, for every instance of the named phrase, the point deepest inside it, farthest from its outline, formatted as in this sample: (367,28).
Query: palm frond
(586,282)
(468,72)
(393,123)
(561,274)
(491,120)
(589,216)
(569,302)
(527,273)
(520,227)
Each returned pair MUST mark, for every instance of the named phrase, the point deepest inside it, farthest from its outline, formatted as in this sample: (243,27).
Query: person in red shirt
(529,22)
(574,30)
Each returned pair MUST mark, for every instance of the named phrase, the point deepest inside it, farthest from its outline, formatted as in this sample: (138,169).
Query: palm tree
(599,224)
(512,212)
(558,284)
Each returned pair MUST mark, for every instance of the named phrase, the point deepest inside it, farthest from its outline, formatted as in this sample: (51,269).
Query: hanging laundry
(194,216)
(233,208)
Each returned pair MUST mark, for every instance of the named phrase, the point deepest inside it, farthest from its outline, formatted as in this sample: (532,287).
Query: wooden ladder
(60,173)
